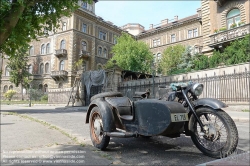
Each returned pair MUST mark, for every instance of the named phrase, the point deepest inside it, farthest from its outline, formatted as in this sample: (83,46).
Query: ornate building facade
(87,36)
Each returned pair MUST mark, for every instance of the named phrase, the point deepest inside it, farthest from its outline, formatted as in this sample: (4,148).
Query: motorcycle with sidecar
(110,114)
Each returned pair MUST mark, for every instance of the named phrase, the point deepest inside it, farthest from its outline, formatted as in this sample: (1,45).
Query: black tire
(106,94)
(223,123)
(97,136)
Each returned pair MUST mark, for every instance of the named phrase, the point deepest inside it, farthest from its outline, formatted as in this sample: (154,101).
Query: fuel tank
(154,117)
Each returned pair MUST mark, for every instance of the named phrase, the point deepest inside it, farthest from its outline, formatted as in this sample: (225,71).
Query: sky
(144,12)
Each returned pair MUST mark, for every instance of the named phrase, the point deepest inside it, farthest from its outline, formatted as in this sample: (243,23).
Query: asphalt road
(135,151)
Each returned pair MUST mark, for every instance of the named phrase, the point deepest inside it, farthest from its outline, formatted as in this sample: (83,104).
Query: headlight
(197,89)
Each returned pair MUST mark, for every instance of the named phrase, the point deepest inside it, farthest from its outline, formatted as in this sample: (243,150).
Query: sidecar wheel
(222,137)
(97,136)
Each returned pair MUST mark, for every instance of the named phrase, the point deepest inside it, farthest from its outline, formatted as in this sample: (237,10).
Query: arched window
(5,88)
(47,68)
(45,88)
(84,45)
(48,48)
(99,67)
(158,57)
(41,68)
(233,17)
(99,51)
(60,85)
(31,51)
(61,65)
(30,69)
(43,49)
(11,87)
(40,87)
(62,45)
(7,71)
(105,52)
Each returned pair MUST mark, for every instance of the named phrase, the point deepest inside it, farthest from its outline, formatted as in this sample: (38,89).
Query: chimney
(163,22)
(151,26)
(175,18)
(199,12)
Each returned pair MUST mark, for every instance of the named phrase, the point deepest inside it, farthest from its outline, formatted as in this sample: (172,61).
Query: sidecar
(112,115)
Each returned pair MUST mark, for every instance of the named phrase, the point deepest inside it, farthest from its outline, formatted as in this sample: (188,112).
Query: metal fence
(227,87)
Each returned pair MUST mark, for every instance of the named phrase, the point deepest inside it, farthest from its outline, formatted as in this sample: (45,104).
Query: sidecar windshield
(176,86)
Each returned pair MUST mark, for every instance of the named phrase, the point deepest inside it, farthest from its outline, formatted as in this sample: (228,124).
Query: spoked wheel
(221,137)
(98,138)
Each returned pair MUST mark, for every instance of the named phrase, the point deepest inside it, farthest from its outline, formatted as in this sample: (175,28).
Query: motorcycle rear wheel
(98,138)
(222,138)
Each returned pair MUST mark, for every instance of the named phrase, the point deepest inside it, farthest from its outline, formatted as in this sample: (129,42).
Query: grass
(23,102)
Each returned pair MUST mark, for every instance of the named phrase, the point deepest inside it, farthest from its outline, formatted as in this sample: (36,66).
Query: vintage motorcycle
(212,130)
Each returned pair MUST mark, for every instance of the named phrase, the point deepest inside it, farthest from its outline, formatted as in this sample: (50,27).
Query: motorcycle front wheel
(221,138)
(98,138)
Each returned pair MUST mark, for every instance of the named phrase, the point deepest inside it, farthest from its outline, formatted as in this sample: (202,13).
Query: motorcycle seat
(123,105)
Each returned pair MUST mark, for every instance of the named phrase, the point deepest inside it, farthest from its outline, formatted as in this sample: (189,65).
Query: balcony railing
(59,75)
(229,35)
(84,54)
(61,53)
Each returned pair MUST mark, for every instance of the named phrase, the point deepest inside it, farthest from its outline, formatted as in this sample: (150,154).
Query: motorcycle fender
(106,113)
(209,102)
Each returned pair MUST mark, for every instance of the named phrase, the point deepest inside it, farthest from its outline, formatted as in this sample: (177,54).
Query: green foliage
(44,97)
(201,62)
(18,68)
(131,55)
(9,94)
(171,58)
(36,94)
(24,20)
(214,60)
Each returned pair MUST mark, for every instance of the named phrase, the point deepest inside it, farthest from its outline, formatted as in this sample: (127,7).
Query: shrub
(36,94)
(222,29)
(44,97)
(9,94)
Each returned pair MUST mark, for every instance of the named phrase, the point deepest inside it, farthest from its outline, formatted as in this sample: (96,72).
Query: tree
(24,20)
(18,69)
(131,55)
(171,57)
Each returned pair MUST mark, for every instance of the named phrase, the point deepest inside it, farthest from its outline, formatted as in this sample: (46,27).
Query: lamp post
(153,72)
(29,91)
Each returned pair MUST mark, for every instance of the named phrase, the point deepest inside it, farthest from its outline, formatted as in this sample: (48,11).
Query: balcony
(59,75)
(84,54)
(61,53)
(223,38)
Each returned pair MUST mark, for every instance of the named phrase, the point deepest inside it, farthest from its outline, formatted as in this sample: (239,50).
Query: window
(192,33)
(43,49)
(233,17)
(84,5)
(156,42)
(7,71)
(62,45)
(11,87)
(47,68)
(158,57)
(99,51)
(31,51)
(173,38)
(195,32)
(61,65)
(115,39)
(84,28)
(154,58)
(64,26)
(40,87)
(105,52)
(102,35)
(30,69)
(60,85)
(45,88)
(41,68)
(84,46)
(5,88)
(48,48)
